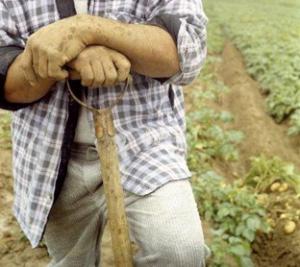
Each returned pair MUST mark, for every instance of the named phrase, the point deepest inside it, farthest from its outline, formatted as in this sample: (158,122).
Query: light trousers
(165,225)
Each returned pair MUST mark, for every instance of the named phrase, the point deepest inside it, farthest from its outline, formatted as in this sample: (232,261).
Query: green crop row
(267,33)
(236,212)
(232,212)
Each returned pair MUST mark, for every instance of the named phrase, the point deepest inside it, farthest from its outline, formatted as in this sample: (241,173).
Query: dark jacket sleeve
(11,45)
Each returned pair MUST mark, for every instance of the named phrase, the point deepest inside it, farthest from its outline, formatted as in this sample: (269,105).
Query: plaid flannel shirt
(149,121)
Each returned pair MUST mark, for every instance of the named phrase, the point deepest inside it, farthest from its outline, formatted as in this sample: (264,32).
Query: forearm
(18,90)
(151,49)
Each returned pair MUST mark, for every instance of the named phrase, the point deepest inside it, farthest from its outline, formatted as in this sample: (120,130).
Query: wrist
(104,31)
(86,33)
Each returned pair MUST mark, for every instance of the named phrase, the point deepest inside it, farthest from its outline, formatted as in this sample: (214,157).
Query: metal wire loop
(92,109)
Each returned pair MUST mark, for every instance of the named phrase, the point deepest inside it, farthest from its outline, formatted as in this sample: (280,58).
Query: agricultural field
(243,131)
(267,34)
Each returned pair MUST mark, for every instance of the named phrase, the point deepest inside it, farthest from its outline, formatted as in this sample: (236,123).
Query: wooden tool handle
(107,149)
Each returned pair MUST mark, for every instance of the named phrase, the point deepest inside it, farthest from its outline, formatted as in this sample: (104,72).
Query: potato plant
(233,212)
(269,45)
(235,215)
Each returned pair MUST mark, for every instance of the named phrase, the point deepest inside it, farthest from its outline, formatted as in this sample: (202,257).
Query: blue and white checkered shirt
(149,121)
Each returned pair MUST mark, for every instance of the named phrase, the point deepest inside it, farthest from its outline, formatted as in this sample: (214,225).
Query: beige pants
(165,224)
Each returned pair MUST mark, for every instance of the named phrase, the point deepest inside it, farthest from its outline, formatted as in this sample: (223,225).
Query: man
(58,188)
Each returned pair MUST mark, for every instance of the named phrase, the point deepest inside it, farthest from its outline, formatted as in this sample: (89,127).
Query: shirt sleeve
(11,46)
(186,21)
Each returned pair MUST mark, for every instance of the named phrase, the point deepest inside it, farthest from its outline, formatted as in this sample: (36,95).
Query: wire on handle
(92,109)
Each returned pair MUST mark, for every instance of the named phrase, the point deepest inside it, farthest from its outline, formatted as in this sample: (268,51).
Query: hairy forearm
(18,90)
(150,49)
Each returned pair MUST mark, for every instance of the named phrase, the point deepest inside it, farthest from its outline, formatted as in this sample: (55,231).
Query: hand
(50,48)
(98,66)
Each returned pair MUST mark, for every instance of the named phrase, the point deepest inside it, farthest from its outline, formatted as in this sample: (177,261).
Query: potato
(283,216)
(290,227)
(283,188)
(275,186)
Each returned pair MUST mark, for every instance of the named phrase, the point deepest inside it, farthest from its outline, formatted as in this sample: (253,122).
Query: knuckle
(42,74)
(122,78)
(89,77)
(110,69)
(29,41)
(114,75)
(126,65)
(102,80)
(55,75)
(24,67)
(99,81)
(87,81)
(111,80)
(95,85)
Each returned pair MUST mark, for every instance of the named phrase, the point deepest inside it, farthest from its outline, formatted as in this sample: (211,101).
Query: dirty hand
(50,48)
(98,66)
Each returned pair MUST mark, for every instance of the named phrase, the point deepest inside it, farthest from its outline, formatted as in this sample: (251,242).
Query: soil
(247,104)
(14,249)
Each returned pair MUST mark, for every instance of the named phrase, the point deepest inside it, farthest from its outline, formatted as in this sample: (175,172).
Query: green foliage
(265,171)
(235,215)
(269,45)
(206,135)
(295,123)
(232,211)
(208,139)
(216,38)
(5,141)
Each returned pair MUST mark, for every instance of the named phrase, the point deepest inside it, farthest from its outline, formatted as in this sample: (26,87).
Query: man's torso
(150,127)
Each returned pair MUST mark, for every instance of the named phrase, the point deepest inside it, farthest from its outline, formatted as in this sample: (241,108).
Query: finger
(99,77)
(43,65)
(87,75)
(110,72)
(55,66)
(123,67)
(27,68)
(35,59)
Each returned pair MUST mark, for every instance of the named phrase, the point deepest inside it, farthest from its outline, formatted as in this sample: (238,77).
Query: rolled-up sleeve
(10,47)
(186,21)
